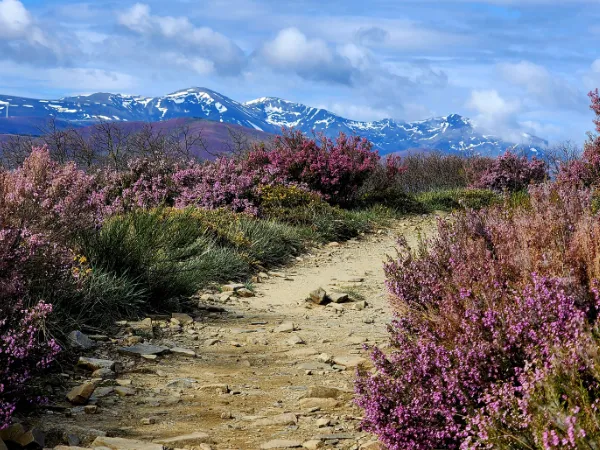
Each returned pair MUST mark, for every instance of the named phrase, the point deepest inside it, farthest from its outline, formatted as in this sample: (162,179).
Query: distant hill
(216,137)
(450,134)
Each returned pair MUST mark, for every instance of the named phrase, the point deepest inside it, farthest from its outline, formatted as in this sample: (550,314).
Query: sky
(512,66)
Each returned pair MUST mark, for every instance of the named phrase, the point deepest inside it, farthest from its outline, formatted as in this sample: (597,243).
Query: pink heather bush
(510,172)
(585,172)
(46,196)
(334,169)
(145,183)
(24,350)
(224,183)
(499,306)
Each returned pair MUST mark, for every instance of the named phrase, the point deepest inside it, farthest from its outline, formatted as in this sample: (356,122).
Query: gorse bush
(490,315)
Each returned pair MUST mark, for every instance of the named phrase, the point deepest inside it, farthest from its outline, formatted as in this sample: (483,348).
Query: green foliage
(169,255)
(451,199)
(102,298)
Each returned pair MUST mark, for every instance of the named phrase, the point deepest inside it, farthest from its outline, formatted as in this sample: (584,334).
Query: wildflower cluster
(489,314)
(510,172)
(24,349)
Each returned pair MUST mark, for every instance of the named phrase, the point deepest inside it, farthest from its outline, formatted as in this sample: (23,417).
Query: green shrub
(169,255)
(321,221)
(102,298)
(450,199)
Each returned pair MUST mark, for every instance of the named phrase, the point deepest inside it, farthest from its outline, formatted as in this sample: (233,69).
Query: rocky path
(260,372)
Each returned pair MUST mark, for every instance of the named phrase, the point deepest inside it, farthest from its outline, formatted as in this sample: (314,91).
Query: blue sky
(510,65)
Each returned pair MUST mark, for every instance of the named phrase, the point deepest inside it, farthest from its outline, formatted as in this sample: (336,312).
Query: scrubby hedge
(495,337)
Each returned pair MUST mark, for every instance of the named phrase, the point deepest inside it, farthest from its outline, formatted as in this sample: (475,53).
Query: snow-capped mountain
(452,133)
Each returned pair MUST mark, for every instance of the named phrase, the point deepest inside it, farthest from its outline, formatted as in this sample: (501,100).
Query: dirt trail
(273,377)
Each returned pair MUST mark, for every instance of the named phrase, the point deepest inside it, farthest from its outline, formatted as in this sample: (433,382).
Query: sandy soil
(271,378)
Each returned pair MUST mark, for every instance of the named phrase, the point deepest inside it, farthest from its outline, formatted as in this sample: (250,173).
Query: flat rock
(124,391)
(323,392)
(302,352)
(336,436)
(232,287)
(33,438)
(3,445)
(314,366)
(125,444)
(144,349)
(104,374)
(281,419)
(338,297)
(324,403)
(191,439)
(80,395)
(77,339)
(281,443)
(12,433)
(285,327)
(349,361)
(296,340)
(183,351)
(142,328)
(96,364)
(183,319)
(218,387)
(313,444)
(244,293)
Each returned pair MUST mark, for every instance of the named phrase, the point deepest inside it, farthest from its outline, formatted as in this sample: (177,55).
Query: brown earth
(275,385)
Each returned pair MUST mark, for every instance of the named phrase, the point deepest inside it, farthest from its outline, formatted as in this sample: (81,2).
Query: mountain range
(449,134)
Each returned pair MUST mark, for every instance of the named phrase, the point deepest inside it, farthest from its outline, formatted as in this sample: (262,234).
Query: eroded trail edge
(269,371)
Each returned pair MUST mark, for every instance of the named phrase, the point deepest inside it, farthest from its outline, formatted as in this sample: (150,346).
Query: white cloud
(15,20)
(495,114)
(312,59)
(292,48)
(202,46)
(545,88)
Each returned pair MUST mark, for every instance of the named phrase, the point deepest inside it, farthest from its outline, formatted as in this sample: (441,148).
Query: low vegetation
(496,334)
(83,245)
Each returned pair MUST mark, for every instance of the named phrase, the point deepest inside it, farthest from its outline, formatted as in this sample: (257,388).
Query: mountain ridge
(450,134)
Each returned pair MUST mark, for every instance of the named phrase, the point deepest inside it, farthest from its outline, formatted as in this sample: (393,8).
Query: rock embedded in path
(232,287)
(281,419)
(114,443)
(183,319)
(296,340)
(323,392)
(143,328)
(33,438)
(322,403)
(77,339)
(319,296)
(94,364)
(339,297)
(80,395)
(144,349)
(104,374)
(285,327)
(349,361)
(187,440)
(280,443)
(245,293)
(183,352)
(313,444)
